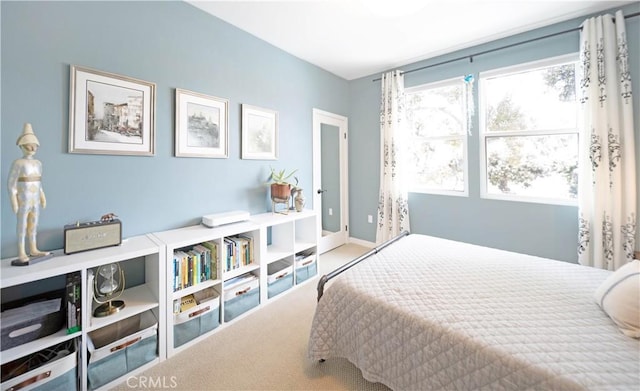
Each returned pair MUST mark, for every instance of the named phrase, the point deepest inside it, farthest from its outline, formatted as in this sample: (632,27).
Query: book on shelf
(180,270)
(203,255)
(193,268)
(194,265)
(239,251)
(74,302)
(213,253)
(249,254)
(229,254)
(186,302)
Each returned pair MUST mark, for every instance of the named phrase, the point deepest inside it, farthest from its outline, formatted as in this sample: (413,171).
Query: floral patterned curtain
(393,205)
(607,168)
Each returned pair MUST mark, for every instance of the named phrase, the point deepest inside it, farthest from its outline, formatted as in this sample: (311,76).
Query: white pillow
(619,297)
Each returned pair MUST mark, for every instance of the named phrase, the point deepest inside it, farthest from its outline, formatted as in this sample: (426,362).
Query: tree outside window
(437,145)
(529,132)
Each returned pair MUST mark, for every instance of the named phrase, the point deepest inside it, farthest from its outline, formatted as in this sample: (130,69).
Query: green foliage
(281,177)
(503,172)
(435,112)
(505,116)
(562,79)
(516,168)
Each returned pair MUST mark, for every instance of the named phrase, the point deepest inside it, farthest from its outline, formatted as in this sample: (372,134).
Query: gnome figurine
(26,194)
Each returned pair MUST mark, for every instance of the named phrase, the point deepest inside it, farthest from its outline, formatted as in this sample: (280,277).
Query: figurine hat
(27,136)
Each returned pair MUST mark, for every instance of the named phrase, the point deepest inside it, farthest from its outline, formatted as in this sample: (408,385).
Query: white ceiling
(356,38)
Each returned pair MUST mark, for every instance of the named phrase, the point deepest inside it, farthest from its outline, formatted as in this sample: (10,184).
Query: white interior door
(330,182)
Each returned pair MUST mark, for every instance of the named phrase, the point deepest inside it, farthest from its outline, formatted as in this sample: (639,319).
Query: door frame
(329,242)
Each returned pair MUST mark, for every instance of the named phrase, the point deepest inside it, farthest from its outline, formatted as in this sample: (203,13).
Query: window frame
(463,136)
(484,135)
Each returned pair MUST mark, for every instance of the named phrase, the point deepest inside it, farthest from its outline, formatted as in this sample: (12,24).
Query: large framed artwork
(259,133)
(110,114)
(201,125)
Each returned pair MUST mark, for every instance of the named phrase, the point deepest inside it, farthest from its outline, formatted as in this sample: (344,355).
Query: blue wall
(539,229)
(174,45)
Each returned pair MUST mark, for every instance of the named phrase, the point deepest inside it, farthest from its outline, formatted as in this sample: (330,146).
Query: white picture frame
(201,125)
(110,114)
(259,133)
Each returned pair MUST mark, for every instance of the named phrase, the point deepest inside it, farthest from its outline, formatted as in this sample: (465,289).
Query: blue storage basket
(121,347)
(279,277)
(201,319)
(280,285)
(66,382)
(306,272)
(241,304)
(58,374)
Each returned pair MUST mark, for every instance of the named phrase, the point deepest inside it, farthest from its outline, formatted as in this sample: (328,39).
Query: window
(529,132)
(436,120)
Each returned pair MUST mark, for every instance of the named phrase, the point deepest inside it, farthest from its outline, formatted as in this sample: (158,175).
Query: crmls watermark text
(152,382)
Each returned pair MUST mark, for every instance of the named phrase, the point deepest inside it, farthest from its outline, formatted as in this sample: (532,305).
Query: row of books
(238,252)
(195,265)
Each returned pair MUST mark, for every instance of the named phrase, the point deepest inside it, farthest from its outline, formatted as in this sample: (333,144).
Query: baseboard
(361,242)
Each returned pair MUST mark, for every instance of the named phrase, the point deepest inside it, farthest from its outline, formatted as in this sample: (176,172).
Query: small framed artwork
(111,114)
(201,125)
(259,133)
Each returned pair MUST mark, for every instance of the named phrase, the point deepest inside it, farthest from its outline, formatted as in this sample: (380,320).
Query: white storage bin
(306,267)
(240,295)
(277,270)
(198,320)
(305,260)
(279,277)
(240,285)
(58,374)
(121,347)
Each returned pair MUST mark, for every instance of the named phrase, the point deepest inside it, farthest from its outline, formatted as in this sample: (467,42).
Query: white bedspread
(429,314)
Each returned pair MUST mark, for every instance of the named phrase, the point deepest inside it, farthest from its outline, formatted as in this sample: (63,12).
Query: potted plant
(280,185)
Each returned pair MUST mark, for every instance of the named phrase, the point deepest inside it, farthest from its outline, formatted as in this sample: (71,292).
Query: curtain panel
(393,205)
(607,174)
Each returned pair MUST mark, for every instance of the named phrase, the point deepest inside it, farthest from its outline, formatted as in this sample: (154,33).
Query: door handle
(320,191)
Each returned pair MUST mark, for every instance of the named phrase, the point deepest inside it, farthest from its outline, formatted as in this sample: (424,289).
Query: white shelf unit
(286,234)
(184,239)
(146,296)
(275,236)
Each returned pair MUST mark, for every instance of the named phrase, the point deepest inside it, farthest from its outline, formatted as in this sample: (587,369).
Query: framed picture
(259,133)
(111,114)
(201,125)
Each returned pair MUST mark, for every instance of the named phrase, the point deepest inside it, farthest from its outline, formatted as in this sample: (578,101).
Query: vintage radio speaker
(92,235)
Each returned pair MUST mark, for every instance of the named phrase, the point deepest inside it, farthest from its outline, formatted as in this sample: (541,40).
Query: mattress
(432,314)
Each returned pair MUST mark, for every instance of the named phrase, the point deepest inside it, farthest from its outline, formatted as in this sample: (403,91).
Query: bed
(424,313)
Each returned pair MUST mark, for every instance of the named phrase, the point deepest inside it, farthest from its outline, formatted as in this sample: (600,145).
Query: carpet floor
(264,350)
